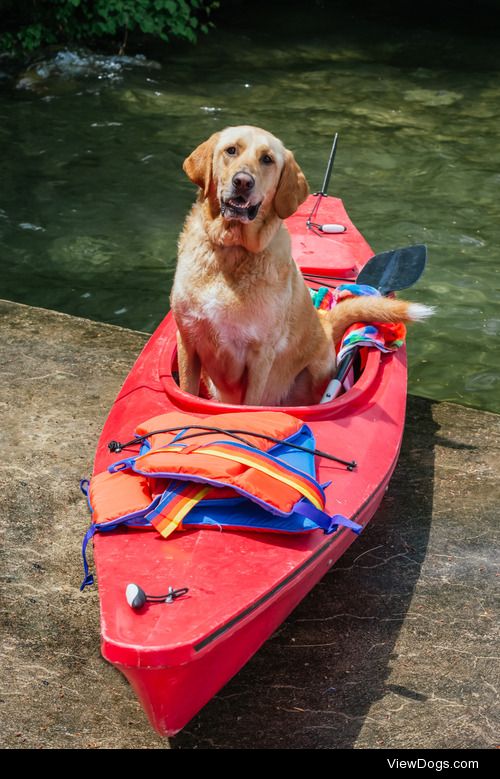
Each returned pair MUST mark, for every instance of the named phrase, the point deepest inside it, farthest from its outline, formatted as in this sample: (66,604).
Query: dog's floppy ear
(198,166)
(292,188)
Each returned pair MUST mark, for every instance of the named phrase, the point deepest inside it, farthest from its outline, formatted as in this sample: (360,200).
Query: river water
(93,194)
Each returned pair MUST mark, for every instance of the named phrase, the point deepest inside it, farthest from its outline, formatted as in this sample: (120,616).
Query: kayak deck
(242,585)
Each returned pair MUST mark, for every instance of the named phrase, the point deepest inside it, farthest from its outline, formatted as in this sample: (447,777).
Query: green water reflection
(93,194)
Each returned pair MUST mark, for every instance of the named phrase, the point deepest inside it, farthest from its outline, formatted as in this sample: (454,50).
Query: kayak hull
(172,695)
(242,585)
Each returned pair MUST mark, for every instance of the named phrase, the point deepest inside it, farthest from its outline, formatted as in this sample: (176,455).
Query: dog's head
(247,173)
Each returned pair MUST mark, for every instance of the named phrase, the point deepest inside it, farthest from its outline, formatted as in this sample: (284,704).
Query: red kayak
(241,584)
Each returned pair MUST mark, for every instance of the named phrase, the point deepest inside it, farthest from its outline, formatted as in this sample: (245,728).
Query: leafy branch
(39,23)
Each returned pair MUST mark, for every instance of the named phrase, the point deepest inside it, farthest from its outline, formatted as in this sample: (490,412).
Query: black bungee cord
(116,446)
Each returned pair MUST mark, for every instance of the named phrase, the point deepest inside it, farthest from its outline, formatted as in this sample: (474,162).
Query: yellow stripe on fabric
(167,448)
(179,512)
(304,490)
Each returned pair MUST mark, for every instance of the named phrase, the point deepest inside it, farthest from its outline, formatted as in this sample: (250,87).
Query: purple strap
(325,521)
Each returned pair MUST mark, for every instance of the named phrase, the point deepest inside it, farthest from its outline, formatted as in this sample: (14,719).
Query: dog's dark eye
(267,160)
(231,150)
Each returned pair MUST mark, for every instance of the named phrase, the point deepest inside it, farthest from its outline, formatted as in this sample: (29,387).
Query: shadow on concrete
(314,683)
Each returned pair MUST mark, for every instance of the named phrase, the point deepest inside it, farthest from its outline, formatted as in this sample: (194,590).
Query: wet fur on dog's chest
(235,308)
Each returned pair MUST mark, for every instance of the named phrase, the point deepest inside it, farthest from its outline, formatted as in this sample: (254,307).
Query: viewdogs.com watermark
(436,765)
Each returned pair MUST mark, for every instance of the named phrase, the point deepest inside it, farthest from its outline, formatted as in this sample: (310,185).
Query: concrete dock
(395,647)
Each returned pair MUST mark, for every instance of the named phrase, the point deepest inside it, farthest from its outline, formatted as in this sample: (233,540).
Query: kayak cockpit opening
(350,380)
(357,391)
(322,290)
(358,381)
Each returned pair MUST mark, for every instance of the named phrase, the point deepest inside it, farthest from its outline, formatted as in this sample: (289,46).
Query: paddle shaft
(335,385)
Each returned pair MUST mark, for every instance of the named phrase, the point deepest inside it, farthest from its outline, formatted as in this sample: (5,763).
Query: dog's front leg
(259,364)
(189,366)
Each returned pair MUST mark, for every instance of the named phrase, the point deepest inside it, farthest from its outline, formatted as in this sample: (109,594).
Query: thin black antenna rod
(311,224)
(329,168)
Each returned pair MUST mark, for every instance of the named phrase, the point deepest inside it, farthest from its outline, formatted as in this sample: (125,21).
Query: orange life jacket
(192,478)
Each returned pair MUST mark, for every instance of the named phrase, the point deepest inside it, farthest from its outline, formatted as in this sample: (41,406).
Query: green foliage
(42,22)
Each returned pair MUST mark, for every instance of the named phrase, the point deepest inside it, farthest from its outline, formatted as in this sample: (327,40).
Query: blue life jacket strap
(325,521)
(135,519)
(88,578)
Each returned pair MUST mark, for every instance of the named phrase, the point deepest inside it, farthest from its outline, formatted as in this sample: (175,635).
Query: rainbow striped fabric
(174,505)
(387,337)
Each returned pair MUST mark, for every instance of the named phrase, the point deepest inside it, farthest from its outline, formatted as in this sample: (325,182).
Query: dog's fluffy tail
(374,309)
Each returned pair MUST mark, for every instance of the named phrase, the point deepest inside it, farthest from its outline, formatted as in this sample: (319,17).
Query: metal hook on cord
(136,597)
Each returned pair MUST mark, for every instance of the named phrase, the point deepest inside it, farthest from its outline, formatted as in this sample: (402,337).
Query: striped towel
(387,337)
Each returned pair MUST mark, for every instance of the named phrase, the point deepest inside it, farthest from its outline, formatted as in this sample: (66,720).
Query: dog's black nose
(243,182)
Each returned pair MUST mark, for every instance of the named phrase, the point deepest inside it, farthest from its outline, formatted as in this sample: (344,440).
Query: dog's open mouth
(239,208)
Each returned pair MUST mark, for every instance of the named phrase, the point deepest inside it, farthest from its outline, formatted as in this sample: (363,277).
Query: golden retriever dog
(244,314)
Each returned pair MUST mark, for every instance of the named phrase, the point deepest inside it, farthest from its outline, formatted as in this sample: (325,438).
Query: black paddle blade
(395,269)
